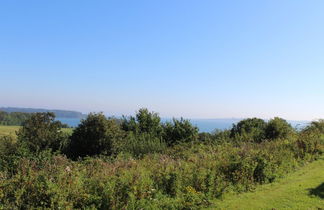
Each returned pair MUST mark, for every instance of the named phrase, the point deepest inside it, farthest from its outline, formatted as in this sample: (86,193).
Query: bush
(41,132)
(139,145)
(251,130)
(94,136)
(179,131)
(278,128)
(310,144)
(315,126)
(144,122)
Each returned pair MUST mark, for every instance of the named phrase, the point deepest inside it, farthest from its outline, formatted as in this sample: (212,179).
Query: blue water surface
(204,125)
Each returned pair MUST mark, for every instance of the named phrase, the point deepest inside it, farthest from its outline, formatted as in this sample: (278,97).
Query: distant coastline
(58,113)
(73,118)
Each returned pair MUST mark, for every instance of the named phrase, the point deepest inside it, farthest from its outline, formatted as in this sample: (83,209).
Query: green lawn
(8,130)
(303,189)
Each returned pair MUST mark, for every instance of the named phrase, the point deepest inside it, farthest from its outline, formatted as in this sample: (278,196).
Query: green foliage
(278,128)
(179,131)
(251,129)
(144,122)
(301,189)
(94,136)
(309,144)
(221,136)
(187,176)
(8,153)
(145,164)
(13,118)
(139,145)
(315,126)
(41,132)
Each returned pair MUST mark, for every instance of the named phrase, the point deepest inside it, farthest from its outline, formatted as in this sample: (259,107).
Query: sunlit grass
(303,189)
(8,130)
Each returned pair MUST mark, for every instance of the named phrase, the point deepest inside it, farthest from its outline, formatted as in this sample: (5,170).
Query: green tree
(315,126)
(144,122)
(179,131)
(278,128)
(94,136)
(251,129)
(41,132)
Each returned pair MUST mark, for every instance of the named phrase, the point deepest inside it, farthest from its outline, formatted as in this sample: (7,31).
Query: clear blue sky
(196,59)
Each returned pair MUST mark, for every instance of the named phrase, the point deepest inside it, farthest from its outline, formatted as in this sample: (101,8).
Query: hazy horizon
(191,59)
(162,117)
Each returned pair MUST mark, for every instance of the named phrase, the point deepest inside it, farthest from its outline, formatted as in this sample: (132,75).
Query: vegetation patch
(142,163)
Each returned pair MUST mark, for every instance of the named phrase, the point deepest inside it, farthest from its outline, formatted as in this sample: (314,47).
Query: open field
(8,130)
(11,130)
(303,189)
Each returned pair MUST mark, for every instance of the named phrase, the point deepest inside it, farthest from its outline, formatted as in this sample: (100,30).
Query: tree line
(13,118)
(137,135)
(18,118)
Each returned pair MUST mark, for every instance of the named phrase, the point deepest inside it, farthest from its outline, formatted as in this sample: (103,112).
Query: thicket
(142,163)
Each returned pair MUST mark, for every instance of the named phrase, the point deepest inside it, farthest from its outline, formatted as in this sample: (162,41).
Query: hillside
(58,113)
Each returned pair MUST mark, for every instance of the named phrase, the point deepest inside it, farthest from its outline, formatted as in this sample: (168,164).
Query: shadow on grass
(318,191)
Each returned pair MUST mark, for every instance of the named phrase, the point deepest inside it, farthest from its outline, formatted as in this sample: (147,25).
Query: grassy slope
(303,189)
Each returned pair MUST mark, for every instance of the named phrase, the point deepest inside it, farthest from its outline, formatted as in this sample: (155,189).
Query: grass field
(8,130)
(11,130)
(303,189)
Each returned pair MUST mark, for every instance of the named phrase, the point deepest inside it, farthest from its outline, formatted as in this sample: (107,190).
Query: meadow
(8,130)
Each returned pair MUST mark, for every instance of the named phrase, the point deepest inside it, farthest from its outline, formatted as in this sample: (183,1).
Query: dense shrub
(94,136)
(310,143)
(41,132)
(9,153)
(179,131)
(221,136)
(252,130)
(278,128)
(315,126)
(137,145)
(154,166)
(143,122)
(187,176)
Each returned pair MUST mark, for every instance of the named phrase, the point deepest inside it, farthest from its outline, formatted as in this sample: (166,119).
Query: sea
(204,125)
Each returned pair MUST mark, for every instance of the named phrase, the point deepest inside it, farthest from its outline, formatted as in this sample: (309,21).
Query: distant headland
(58,113)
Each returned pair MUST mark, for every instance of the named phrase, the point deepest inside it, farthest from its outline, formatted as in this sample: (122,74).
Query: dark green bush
(41,132)
(143,122)
(140,144)
(179,131)
(250,130)
(278,128)
(94,136)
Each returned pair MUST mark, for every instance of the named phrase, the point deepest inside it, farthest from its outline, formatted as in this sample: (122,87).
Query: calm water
(204,125)
(70,121)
